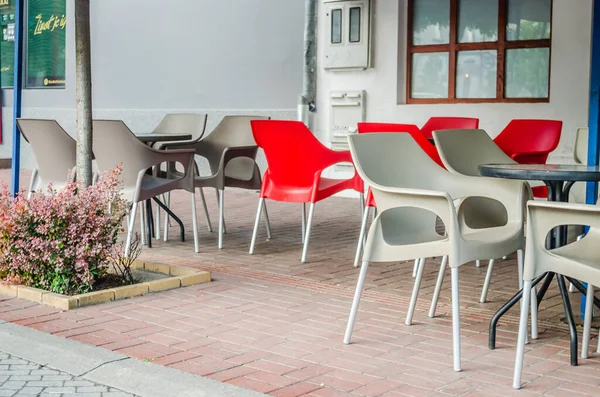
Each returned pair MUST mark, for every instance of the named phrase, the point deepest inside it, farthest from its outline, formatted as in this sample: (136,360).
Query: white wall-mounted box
(346,110)
(348,43)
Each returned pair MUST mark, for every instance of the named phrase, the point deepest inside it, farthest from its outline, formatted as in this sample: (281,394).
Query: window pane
(354,24)
(477,21)
(476,74)
(528,19)
(527,73)
(429,75)
(431,22)
(336,26)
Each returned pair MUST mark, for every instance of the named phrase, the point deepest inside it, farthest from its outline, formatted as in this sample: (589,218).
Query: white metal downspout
(306,101)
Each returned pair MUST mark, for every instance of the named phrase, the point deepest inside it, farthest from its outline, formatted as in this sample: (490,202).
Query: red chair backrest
(293,153)
(448,123)
(529,141)
(411,129)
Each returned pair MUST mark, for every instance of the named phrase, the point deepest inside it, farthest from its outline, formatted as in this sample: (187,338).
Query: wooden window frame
(453,47)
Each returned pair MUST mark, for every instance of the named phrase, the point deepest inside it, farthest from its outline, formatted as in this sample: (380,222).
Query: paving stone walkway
(19,377)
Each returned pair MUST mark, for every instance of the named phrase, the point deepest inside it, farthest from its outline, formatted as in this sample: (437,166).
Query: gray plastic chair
(180,123)
(115,144)
(462,151)
(577,260)
(231,151)
(408,203)
(54,150)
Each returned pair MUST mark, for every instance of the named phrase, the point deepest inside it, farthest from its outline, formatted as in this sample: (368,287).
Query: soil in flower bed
(113,281)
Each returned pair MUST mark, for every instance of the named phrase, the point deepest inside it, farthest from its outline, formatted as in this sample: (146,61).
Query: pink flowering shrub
(62,241)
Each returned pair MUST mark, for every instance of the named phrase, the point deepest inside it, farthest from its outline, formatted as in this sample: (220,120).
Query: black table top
(542,172)
(159,137)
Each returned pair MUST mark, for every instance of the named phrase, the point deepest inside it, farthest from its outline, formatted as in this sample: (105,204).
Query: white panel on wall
(347,109)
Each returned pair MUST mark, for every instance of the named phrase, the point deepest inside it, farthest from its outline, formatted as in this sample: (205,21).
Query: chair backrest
(411,129)
(293,153)
(529,141)
(463,151)
(580,151)
(233,131)
(448,123)
(182,123)
(115,144)
(55,151)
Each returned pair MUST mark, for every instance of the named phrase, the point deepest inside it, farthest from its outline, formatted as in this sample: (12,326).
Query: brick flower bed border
(181,276)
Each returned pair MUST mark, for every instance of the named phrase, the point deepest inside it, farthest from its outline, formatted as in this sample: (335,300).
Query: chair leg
(438,286)
(587,322)
(130,227)
(361,236)
(571,286)
(522,335)
(221,218)
(208,224)
(362,205)
(303,221)
(486,283)
(195,222)
(311,212)
(157,223)
(455,319)
(261,203)
(415,292)
(219,204)
(520,272)
(267,222)
(168,204)
(415,267)
(534,313)
(477,263)
(356,301)
(143,223)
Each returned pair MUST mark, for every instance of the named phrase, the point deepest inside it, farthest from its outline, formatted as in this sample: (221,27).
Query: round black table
(559,178)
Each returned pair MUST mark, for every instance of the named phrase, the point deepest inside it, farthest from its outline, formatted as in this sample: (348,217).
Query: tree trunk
(83,91)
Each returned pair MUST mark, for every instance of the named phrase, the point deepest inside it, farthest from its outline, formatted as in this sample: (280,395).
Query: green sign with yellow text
(46,23)
(7,42)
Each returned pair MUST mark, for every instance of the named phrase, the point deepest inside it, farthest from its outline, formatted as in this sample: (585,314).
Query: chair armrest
(543,216)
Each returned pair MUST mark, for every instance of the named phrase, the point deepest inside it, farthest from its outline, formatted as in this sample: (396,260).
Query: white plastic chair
(408,200)
(55,153)
(578,260)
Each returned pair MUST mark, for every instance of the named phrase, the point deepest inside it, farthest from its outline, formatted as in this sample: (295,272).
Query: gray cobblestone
(22,378)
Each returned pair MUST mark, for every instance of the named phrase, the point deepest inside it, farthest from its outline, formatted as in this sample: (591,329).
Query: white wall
(385,82)
(150,57)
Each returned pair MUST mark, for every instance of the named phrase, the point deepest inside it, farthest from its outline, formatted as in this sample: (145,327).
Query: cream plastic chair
(180,123)
(115,144)
(578,260)
(408,201)
(55,153)
(462,152)
(230,150)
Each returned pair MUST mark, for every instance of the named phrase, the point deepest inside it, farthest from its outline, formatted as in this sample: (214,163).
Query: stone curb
(181,276)
(108,368)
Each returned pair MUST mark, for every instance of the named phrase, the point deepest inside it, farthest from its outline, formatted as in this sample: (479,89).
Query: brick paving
(274,325)
(20,378)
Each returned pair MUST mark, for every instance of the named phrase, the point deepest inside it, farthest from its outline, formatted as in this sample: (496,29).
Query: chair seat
(303,194)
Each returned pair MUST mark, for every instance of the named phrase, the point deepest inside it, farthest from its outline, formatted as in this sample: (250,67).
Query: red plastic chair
(530,142)
(296,160)
(448,123)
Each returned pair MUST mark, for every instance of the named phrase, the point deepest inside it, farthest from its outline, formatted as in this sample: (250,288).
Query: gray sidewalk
(33,363)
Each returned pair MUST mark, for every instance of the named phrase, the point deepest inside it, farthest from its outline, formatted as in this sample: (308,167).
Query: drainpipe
(306,101)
